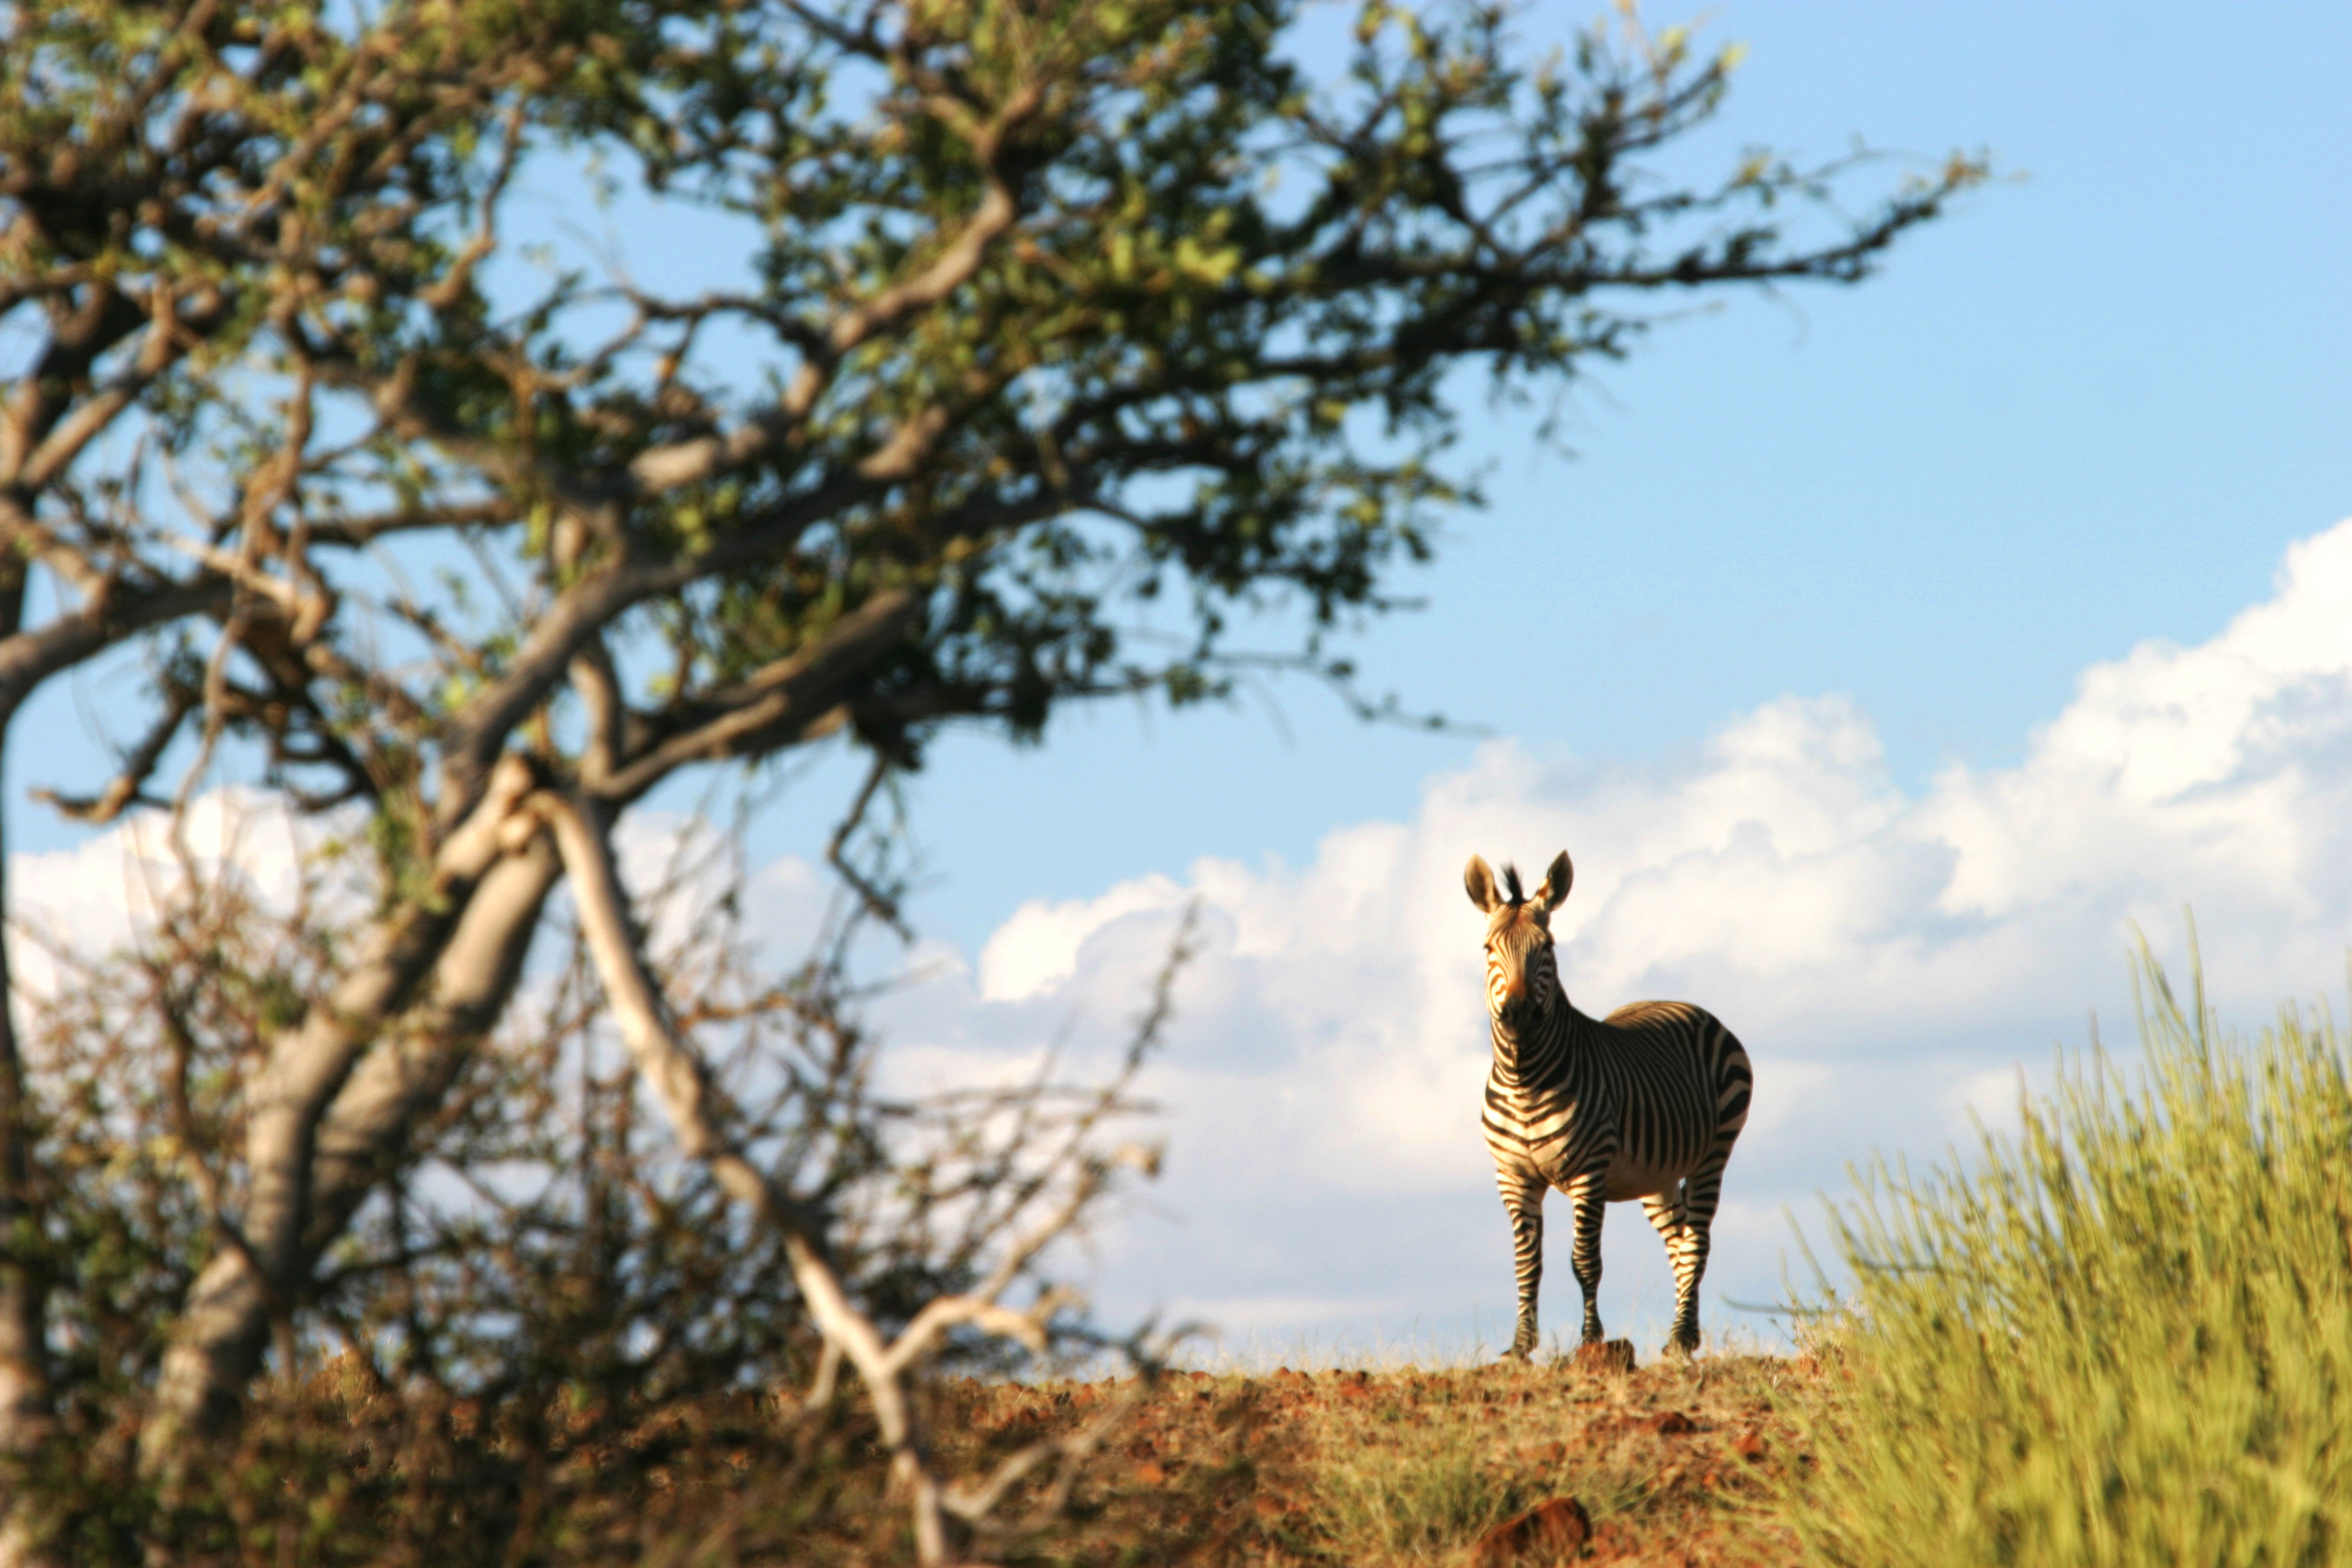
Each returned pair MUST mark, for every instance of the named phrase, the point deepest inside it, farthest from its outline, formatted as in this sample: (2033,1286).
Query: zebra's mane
(1511,889)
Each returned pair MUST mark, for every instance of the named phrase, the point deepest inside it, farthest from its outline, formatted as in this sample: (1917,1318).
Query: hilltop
(1409,1466)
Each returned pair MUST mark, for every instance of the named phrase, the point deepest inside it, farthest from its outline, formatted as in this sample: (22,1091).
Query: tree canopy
(1076,346)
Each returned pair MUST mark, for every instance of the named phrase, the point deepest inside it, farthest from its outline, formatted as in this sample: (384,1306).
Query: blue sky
(2091,407)
(1881,656)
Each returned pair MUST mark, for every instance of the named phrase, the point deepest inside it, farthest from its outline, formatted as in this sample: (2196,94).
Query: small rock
(1550,1531)
(1749,1445)
(1672,1423)
(1150,1474)
(1607,1356)
(1809,1367)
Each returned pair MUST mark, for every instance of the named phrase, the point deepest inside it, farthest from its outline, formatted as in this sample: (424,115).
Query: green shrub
(2124,1338)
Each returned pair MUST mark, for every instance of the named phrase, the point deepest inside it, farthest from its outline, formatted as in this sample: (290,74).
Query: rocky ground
(1666,1464)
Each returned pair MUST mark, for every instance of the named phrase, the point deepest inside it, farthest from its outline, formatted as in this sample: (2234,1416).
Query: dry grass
(1409,1466)
(1367,1469)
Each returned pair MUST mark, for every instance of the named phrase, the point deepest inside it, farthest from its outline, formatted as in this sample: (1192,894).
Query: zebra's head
(1521,982)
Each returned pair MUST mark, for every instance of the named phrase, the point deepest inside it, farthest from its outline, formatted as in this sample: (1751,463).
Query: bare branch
(138,766)
(681,1081)
(884,906)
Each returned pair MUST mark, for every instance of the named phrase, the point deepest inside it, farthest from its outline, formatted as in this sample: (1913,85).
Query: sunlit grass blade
(2122,1334)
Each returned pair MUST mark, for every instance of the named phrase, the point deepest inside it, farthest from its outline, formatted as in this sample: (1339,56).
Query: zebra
(1645,1103)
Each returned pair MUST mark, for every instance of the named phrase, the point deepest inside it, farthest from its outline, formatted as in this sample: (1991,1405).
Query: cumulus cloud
(92,897)
(1890,957)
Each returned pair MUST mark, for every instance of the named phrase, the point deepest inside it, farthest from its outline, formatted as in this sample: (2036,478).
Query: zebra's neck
(1541,1054)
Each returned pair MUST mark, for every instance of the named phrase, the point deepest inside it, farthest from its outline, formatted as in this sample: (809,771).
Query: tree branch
(669,1065)
(791,696)
(215,1345)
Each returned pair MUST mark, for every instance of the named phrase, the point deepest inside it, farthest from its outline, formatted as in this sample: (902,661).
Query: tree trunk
(365,1137)
(23,1285)
(321,1128)
(23,1273)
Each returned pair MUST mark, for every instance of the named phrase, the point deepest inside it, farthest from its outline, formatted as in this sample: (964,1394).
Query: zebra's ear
(1555,883)
(1480,880)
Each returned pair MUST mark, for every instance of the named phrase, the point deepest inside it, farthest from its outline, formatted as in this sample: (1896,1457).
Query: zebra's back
(1664,1083)
(1686,1086)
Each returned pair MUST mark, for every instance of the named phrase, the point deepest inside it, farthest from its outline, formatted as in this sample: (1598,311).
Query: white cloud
(91,897)
(1888,956)
(1038,948)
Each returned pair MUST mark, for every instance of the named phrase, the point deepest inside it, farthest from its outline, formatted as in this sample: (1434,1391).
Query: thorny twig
(889,1365)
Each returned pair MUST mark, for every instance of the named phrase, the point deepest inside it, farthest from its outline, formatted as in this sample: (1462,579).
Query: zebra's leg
(1588,1193)
(1701,1191)
(1523,1196)
(1670,1217)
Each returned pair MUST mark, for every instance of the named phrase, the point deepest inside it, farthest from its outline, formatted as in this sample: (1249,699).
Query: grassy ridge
(1409,1467)
(1676,1463)
(2124,1337)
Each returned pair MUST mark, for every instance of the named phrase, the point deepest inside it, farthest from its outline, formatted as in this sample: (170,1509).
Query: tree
(1075,336)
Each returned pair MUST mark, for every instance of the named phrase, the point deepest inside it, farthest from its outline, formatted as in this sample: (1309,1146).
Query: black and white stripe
(1645,1103)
